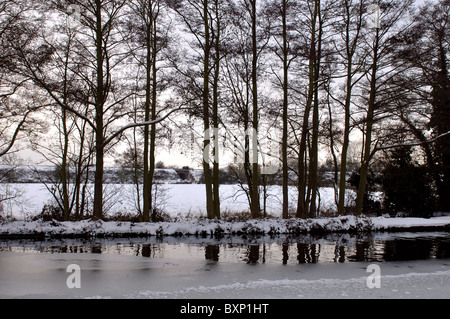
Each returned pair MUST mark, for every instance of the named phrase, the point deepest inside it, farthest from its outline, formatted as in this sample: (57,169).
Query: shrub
(407,185)
(49,213)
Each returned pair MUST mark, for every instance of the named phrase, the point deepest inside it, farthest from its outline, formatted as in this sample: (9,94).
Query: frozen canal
(409,266)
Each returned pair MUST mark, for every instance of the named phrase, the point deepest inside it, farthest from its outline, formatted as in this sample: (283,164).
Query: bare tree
(204,20)
(378,44)
(304,194)
(420,88)
(350,32)
(286,49)
(14,112)
(152,37)
(100,63)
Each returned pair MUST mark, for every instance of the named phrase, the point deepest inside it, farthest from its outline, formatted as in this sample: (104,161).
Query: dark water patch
(255,250)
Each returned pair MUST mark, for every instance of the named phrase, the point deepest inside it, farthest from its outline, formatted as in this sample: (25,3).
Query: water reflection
(285,250)
(363,252)
(253,254)
(339,254)
(443,249)
(305,250)
(212,252)
(146,250)
(308,254)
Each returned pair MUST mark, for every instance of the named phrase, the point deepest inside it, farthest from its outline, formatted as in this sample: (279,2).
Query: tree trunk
(206,124)
(65,172)
(285,212)
(64,169)
(346,142)
(255,208)
(314,155)
(79,165)
(147,192)
(369,128)
(149,15)
(98,176)
(152,163)
(350,47)
(216,167)
(99,138)
(303,198)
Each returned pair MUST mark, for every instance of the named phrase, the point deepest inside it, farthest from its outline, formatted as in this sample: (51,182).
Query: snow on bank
(186,203)
(202,227)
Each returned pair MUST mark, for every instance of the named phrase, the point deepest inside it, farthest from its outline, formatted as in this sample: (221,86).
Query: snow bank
(217,228)
(411,224)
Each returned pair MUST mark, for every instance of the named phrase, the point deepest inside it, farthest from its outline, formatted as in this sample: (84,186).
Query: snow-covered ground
(35,275)
(320,226)
(177,200)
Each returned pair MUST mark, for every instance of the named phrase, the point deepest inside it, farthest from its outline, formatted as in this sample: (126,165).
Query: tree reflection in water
(260,251)
(253,254)
(308,254)
(212,252)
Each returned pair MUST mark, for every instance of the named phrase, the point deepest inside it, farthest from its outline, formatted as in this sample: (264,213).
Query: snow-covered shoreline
(217,228)
(184,205)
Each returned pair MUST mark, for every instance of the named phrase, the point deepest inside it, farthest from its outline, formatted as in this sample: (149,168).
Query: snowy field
(177,200)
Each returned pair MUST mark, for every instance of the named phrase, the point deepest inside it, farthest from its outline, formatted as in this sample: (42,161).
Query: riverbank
(218,228)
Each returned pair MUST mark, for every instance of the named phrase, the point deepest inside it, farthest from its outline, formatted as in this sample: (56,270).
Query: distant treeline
(123,175)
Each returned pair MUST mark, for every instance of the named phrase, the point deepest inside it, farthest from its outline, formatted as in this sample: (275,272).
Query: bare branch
(16,133)
(387,147)
(133,125)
